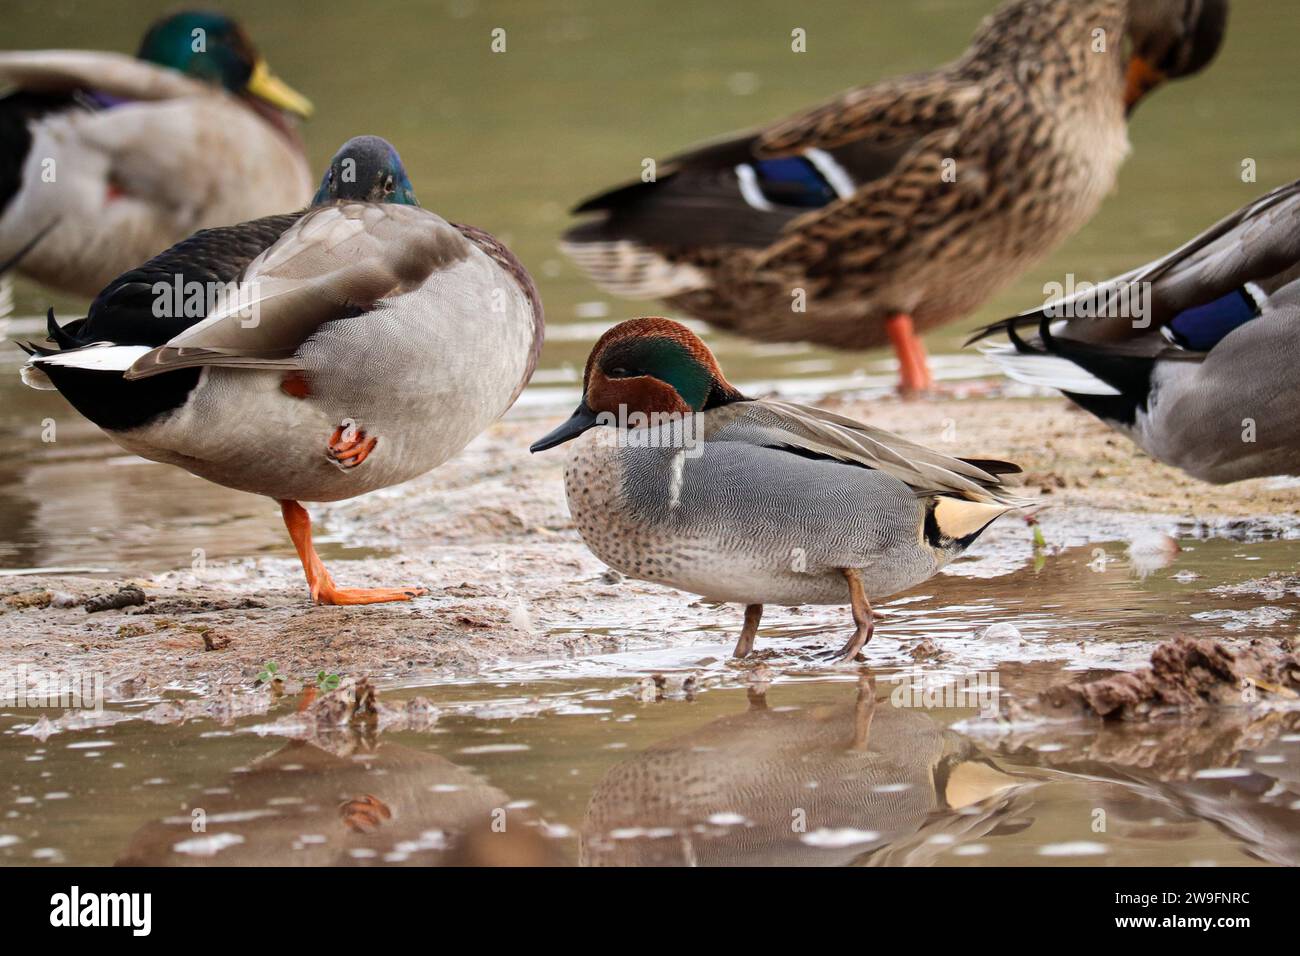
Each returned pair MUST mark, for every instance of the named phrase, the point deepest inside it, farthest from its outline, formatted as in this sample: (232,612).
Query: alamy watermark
(1086,300)
(33,687)
(683,430)
(179,298)
(973,689)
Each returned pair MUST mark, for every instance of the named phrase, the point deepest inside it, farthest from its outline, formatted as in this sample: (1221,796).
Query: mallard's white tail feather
(100,357)
(1047,371)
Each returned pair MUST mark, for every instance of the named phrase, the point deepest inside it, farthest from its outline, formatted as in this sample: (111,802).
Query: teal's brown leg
(744,646)
(863,620)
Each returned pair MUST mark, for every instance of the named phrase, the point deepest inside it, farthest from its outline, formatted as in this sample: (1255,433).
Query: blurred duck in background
(906,204)
(107,159)
(1192,356)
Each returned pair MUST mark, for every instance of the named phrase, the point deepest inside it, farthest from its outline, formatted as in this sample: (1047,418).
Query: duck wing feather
(334,263)
(820,433)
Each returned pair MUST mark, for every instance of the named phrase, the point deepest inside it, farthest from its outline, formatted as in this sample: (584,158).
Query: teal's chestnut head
(212,47)
(366,169)
(646,366)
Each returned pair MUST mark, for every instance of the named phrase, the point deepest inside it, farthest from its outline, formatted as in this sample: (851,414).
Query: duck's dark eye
(620,372)
(329,177)
(388,185)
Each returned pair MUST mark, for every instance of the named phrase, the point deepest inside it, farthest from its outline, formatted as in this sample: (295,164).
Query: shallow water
(675,755)
(510,141)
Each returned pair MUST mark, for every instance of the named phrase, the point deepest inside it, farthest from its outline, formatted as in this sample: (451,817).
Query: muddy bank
(489,536)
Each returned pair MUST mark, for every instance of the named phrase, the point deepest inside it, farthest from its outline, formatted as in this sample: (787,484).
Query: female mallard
(756,501)
(108,159)
(1192,356)
(311,356)
(904,205)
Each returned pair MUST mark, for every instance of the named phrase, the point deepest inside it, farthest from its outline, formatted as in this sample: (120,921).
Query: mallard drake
(312,356)
(1192,356)
(108,159)
(906,204)
(756,501)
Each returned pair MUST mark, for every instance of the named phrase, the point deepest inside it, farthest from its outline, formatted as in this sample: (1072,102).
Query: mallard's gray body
(379,317)
(1234,414)
(1208,377)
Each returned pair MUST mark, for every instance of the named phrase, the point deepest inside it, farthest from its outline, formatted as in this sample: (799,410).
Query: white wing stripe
(832,172)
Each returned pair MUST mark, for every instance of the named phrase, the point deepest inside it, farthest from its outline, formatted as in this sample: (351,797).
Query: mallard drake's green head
(1171,39)
(646,366)
(366,169)
(214,48)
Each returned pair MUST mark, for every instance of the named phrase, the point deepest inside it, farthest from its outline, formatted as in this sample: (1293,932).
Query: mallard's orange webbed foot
(349,446)
(323,589)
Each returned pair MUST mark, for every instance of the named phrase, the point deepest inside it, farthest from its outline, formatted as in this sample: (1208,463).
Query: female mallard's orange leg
(322,586)
(913,367)
(753,614)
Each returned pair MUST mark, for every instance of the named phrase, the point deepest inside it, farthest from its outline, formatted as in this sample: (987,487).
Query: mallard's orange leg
(913,367)
(322,586)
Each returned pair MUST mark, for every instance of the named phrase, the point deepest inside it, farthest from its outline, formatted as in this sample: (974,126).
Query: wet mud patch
(1186,675)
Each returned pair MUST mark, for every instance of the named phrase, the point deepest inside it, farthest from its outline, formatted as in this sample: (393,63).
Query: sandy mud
(489,536)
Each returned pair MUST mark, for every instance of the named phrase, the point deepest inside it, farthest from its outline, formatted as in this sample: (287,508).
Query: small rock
(213,641)
(63,599)
(646,691)
(1001,633)
(28,599)
(926,650)
(129,596)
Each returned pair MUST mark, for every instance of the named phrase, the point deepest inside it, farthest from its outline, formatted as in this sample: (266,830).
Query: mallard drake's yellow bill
(265,85)
(1142,77)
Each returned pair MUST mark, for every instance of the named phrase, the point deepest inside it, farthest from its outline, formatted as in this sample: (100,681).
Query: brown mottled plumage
(921,195)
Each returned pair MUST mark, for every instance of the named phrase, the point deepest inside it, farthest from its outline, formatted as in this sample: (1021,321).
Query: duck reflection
(349,803)
(1237,770)
(861,783)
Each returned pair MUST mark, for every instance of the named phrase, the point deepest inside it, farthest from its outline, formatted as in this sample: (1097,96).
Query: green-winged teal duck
(691,484)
